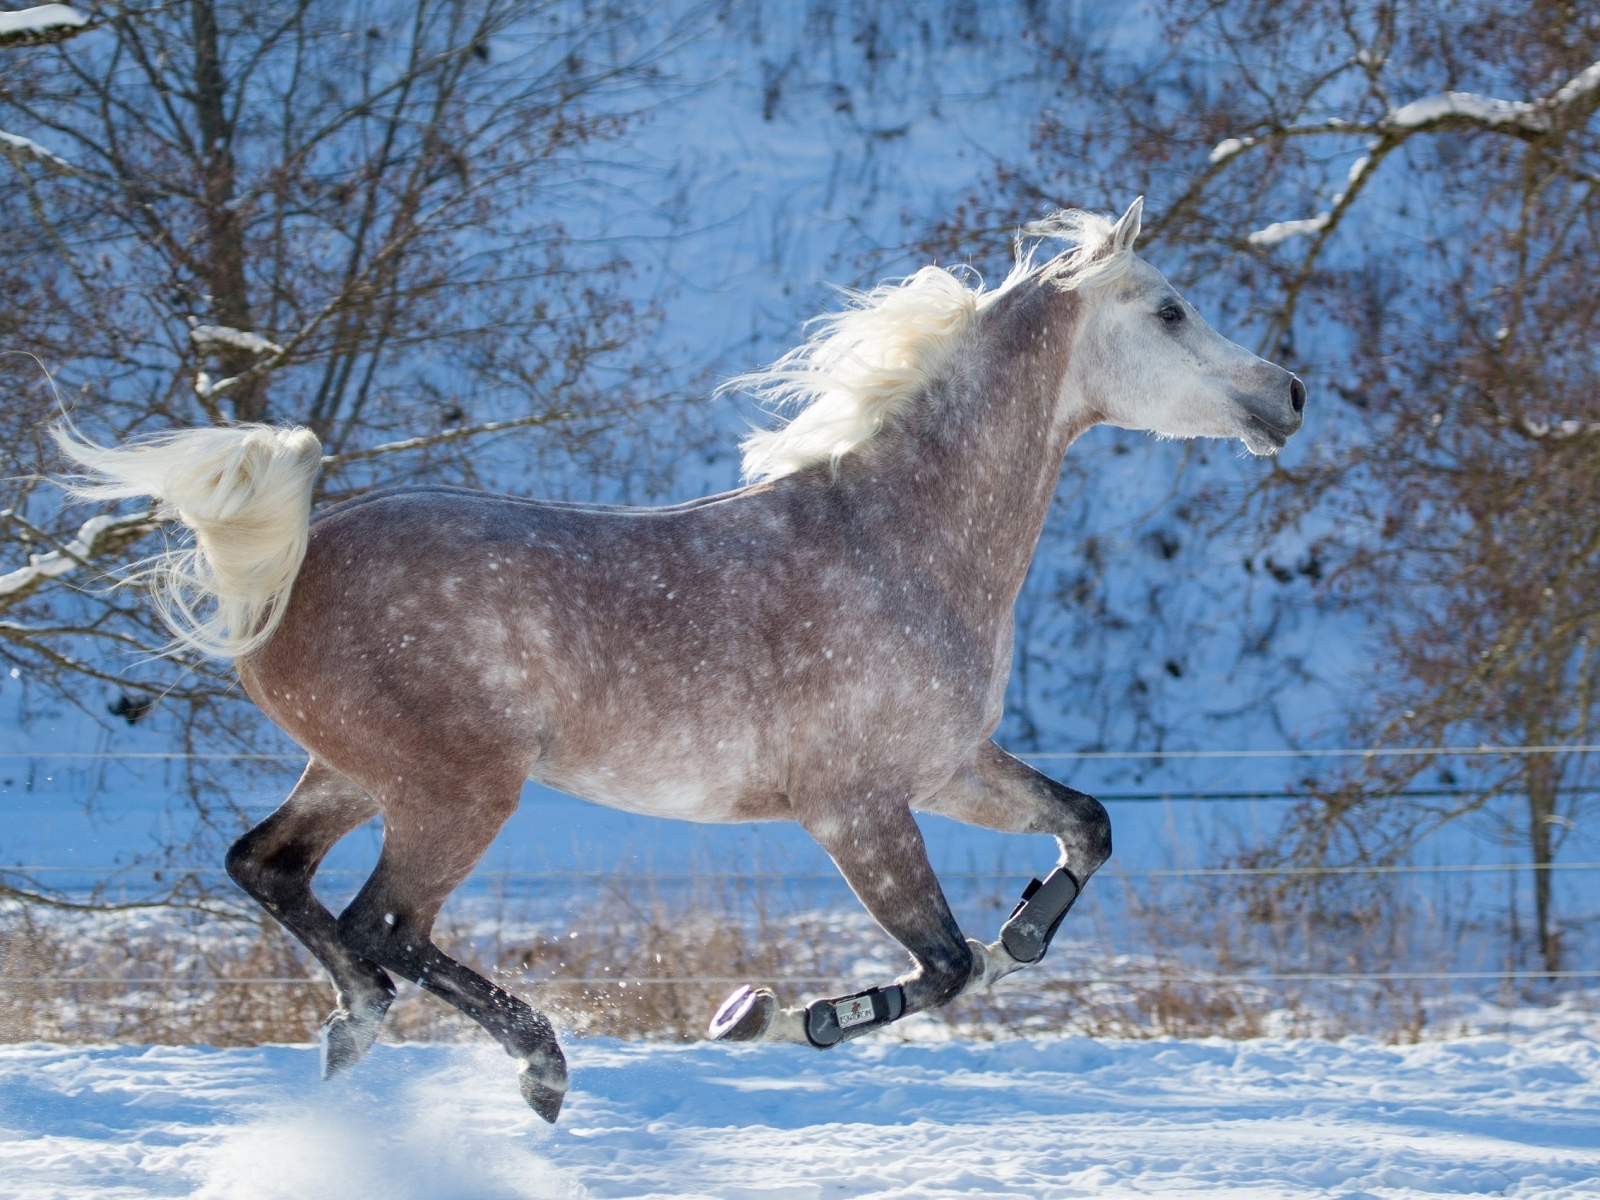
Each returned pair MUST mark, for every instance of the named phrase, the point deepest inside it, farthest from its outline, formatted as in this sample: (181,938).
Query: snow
(1558,429)
(1580,85)
(1514,1116)
(31,147)
(1228,147)
(224,335)
(1282,231)
(44,19)
(49,565)
(1487,109)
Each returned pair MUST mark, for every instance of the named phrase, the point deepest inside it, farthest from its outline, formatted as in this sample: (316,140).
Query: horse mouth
(1263,438)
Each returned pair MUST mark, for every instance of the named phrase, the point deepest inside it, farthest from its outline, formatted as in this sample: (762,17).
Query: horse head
(1146,359)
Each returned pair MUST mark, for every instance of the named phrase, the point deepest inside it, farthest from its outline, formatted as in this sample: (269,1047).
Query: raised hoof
(347,1036)
(745,1015)
(541,1097)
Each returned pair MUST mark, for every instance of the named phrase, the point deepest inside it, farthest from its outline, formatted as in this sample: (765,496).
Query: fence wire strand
(1040,755)
(835,877)
(734,980)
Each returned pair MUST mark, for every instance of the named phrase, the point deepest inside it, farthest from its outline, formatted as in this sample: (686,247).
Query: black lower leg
(280,881)
(401,945)
(276,870)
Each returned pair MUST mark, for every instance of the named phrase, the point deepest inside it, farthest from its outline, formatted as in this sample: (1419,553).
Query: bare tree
(358,218)
(1402,201)
(376,220)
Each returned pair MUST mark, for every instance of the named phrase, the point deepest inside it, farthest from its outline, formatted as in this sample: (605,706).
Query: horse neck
(973,476)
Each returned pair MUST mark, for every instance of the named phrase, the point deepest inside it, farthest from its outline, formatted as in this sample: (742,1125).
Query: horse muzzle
(1270,421)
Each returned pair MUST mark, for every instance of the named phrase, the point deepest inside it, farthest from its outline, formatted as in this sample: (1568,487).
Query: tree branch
(95,537)
(439,439)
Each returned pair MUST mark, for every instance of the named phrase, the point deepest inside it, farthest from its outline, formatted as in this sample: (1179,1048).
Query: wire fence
(1041,755)
(1138,980)
(835,877)
(1196,796)
(1157,978)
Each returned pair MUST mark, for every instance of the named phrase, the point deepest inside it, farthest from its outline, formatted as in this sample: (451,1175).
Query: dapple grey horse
(828,645)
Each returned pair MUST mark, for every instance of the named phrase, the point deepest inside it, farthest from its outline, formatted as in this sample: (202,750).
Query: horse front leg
(879,850)
(998,791)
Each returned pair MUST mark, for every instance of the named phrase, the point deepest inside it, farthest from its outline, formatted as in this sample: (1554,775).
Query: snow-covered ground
(1507,1116)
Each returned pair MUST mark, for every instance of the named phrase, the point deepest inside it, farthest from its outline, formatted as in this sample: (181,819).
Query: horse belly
(663,787)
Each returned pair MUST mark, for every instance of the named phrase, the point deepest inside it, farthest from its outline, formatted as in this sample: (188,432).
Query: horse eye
(1171,313)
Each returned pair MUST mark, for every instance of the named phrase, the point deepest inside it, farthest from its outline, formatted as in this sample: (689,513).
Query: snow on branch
(1556,431)
(1228,147)
(1585,83)
(1282,231)
(94,536)
(42,25)
(1484,110)
(238,339)
(204,336)
(1520,117)
(14,146)
(1531,116)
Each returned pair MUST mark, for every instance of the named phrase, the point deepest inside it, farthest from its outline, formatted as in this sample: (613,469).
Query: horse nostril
(1297,396)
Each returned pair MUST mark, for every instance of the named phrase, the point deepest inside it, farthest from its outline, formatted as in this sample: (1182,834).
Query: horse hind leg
(881,854)
(428,848)
(275,863)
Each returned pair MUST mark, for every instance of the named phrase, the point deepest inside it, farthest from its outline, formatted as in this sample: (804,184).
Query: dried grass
(593,967)
(37,948)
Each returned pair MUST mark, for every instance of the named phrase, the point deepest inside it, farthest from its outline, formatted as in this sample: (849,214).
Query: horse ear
(1126,231)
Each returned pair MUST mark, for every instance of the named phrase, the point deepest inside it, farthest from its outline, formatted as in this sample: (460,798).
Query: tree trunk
(1541,775)
(230,297)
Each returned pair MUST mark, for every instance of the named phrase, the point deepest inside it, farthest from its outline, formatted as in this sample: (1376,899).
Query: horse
(828,644)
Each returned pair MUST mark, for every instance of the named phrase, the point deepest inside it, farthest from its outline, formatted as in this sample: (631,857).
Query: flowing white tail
(245,493)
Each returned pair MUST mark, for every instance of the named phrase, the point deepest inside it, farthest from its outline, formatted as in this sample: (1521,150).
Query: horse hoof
(344,1043)
(744,1016)
(346,1036)
(541,1097)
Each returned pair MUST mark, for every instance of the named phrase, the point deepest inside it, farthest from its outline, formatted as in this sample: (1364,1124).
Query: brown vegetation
(1186,960)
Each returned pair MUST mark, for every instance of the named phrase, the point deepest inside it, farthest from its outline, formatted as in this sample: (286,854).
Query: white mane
(865,364)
